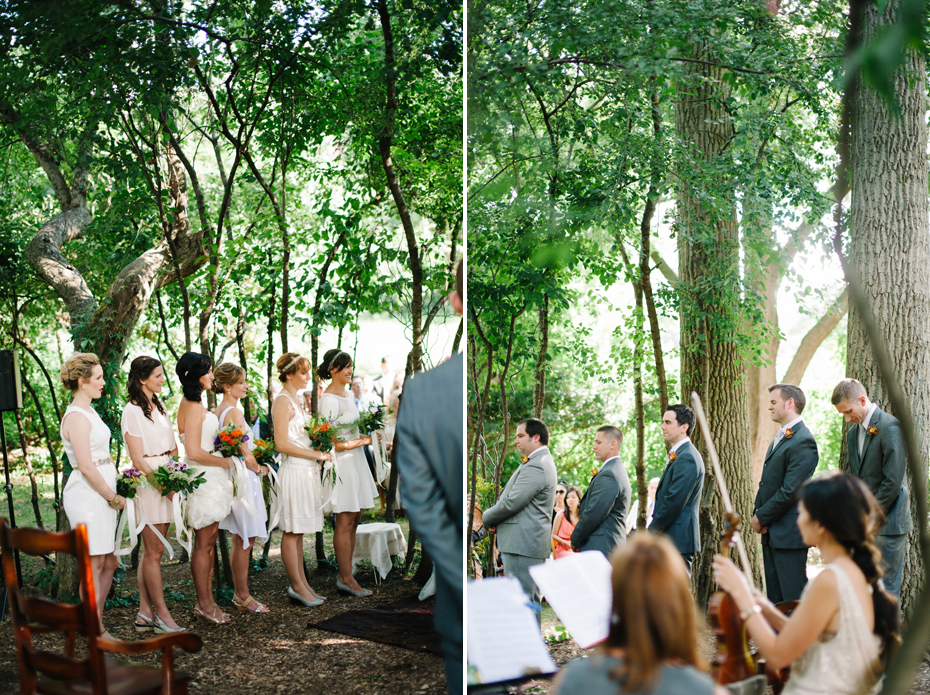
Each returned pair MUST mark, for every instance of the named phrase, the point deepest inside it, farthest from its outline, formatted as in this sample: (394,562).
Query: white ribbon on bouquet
(182,534)
(379,448)
(127,517)
(241,484)
(275,516)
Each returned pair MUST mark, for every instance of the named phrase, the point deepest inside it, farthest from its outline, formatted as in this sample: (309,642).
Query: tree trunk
(709,273)
(34,498)
(539,384)
(889,246)
(762,428)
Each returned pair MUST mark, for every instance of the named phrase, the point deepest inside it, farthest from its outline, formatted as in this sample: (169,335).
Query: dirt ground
(274,652)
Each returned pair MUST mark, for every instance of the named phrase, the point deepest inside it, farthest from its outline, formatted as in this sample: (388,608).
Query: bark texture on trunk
(709,273)
(889,246)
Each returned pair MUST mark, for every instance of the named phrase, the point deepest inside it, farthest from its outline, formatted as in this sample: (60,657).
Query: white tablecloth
(378,542)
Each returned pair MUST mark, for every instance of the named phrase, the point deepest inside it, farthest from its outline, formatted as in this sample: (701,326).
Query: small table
(378,542)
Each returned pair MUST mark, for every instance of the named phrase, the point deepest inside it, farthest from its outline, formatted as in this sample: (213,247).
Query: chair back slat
(35,541)
(59,616)
(56,666)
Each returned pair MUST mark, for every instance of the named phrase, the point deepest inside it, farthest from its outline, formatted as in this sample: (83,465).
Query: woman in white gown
(90,494)
(246,525)
(300,495)
(835,638)
(211,501)
(354,488)
(150,443)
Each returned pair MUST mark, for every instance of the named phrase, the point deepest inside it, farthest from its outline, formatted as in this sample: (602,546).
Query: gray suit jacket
(882,465)
(786,468)
(430,458)
(523,512)
(602,512)
(678,500)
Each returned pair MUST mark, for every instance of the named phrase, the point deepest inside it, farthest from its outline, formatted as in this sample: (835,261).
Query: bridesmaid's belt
(103,462)
(156,456)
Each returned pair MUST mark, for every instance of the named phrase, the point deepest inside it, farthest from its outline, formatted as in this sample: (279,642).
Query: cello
(734,659)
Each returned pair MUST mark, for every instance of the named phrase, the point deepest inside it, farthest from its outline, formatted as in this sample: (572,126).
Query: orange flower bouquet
(322,433)
(229,439)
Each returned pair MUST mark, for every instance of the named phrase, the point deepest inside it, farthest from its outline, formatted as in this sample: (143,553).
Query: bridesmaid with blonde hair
(150,442)
(90,496)
(244,523)
(300,493)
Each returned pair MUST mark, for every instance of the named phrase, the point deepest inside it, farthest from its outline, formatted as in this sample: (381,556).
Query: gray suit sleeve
(597,505)
(801,464)
(894,465)
(681,483)
(530,478)
(426,503)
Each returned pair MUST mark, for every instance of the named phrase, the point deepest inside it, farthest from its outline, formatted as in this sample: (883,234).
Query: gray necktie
(778,437)
(862,433)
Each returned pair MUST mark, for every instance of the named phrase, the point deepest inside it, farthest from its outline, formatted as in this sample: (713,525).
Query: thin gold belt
(156,456)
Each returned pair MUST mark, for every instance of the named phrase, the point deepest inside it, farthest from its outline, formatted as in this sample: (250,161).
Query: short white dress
(158,442)
(355,489)
(300,488)
(212,501)
(240,521)
(82,503)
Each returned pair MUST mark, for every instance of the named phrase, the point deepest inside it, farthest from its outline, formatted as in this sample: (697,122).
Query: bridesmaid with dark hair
(354,488)
(150,442)
(210,503)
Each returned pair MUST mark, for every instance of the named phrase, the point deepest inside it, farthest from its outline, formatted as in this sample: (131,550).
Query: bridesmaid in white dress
(229,380)
(300,494)
(90,494)
(210,503)
(150,442)
(354,488)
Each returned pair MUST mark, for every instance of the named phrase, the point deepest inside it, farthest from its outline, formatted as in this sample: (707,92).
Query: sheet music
(504,641)
(578,588)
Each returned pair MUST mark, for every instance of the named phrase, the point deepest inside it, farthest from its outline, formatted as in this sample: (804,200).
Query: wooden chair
(53,673)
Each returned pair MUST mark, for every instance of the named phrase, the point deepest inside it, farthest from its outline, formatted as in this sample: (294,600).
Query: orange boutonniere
(594,472)
(672,456)
(872,430)
(524,459)
(788,433)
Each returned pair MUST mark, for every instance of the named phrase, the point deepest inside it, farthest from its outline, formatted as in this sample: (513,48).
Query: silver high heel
(297,598)
(161,627)
(144,624)
(343,589)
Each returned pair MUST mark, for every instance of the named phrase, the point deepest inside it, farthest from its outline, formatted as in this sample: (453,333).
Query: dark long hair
(141,369)
(845,507)
(577,491)
(334,359)
(191,367)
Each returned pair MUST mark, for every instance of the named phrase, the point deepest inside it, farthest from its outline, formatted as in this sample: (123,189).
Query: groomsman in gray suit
(791,460)
(678,497)
(522,515)
(602,512)
(878,456)
(430,457)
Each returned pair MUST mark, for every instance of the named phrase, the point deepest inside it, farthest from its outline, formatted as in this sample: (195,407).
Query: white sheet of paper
(578,588)
(504,641)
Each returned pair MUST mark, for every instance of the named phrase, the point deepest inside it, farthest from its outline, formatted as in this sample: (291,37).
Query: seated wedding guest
(835,639)
(360,394)
(565,522)
(559,505)
(652,646)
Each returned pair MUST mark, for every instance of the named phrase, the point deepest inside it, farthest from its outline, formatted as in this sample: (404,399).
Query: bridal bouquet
(127,482)
(228,440)
(264,452)
(177,476)
(322,433)
(372,420)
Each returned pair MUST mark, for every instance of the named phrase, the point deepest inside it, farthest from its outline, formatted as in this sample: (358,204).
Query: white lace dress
(300,490)
(355,489)
(82,503)
(212,501)
(240,521)
(836,665)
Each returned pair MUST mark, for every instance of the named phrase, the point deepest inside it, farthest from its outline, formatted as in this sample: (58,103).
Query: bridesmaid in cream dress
(229,381)
(300,494)
(210,503)
(150,442)
(90,495)
(354,488)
